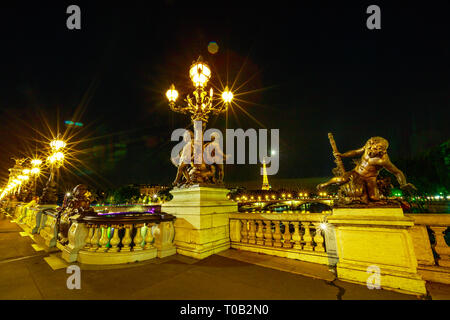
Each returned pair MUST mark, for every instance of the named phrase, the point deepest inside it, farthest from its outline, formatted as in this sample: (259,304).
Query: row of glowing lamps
(56,158)
(283,196)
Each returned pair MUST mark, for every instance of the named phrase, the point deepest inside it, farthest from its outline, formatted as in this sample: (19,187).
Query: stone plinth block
(371,239)
(202,223)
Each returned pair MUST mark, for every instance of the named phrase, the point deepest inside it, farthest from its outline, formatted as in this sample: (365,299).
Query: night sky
(310,70)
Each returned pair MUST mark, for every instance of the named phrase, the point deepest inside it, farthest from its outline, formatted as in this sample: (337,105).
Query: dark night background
(320,68)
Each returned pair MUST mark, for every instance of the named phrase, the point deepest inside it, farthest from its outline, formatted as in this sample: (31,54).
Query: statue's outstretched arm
(389,166)
(352,153)
(220,152)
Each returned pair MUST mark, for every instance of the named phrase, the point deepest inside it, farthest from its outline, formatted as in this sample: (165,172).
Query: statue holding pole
(361,184)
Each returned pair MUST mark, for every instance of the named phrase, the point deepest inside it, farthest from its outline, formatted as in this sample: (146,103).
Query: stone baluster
(307,239)
(95,237)
(297,237)
(104,240)
(277,235)
(87,242)
(318,239)
(287,235)
(164,234)
(441,247)
(126,240)
(138,239)
(260,233)
(268,233)
(115,240)
(244,232)
(149,237)
(77,235)
(252,232)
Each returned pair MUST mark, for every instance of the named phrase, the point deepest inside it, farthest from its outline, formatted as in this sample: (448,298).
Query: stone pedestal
(376,239)
(201,225)
(77,236)
(39,220)
(164,239)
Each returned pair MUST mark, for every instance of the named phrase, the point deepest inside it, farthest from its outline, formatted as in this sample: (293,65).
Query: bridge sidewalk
(25,273)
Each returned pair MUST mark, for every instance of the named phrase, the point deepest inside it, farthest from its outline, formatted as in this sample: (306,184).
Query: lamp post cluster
(23,176)
(201,105)
(19,182)
(55,160)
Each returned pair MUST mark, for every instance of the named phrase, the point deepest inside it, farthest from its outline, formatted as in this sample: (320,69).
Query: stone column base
(376,239)
(165,252)
(202,222)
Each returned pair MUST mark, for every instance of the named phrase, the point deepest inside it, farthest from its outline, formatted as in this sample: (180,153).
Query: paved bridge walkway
(28,272)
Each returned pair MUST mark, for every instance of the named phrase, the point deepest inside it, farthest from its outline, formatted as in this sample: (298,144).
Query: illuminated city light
(23,177)
(57,144)
(227,95)
(200,73)
(172,94)
(36,162)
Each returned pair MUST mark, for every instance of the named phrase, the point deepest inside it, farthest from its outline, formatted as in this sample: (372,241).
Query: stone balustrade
(433,257)
(296,236)
(48,227)
(123,239)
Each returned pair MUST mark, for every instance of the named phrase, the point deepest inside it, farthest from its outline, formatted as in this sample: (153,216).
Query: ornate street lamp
(55,160)
(35,171)
(201,105)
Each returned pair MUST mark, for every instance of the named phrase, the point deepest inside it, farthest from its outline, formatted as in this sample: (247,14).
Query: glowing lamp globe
(59,156)
(35,171)
(199,73)
(26,171)
(227,96)
(36,162)
(57,144)
(172,94)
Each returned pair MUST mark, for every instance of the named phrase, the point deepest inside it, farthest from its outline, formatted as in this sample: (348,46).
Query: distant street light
(56,160)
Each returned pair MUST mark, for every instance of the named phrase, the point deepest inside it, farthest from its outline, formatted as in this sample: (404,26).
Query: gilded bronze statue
(361,183)
(209,171)
(78,204)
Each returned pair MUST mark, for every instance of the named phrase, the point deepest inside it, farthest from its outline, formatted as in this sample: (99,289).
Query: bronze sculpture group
(362,184)
(207,172)
(79,204)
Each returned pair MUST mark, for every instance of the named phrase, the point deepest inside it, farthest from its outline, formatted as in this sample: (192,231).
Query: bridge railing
(119,239)
(291,235)
(433,257)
